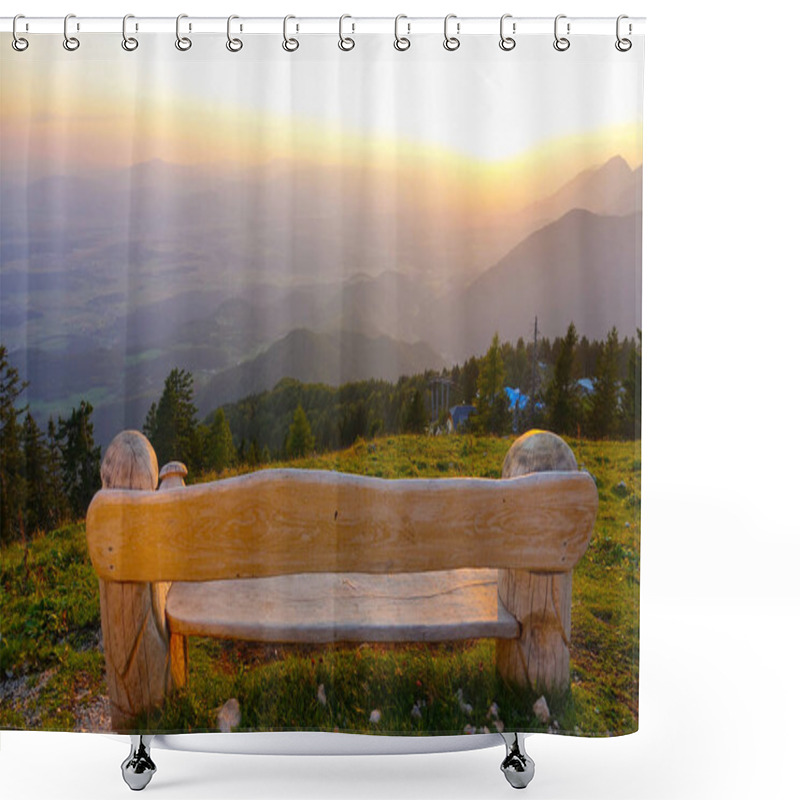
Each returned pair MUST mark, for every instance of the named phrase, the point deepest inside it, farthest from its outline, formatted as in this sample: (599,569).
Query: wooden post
(135,638)
(541,602)
(172,475)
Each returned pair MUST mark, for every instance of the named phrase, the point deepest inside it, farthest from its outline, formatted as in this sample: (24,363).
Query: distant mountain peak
(616,162)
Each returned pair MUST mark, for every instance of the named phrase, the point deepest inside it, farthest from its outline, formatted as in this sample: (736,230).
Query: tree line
(49,478)
(46,479)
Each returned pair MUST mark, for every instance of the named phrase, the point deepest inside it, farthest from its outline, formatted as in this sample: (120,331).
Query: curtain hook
(129,43)
(346,42)
(17,42)
(561,43)
(234,45)
(623,45)
(289,44)
(401,42)
(181,42)
(507,42)
(451,42)
(71,43)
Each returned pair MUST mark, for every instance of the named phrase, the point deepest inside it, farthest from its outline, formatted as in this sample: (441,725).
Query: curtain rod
(325,25)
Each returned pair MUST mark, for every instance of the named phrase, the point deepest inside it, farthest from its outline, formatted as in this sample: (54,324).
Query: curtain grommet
(233,44)
(19,43)
(623,44)
(289,44)
(346,43)
(401,43)
(451,43)
(129,43)
(183,43)
(507,43)
(71,43)
(561,43)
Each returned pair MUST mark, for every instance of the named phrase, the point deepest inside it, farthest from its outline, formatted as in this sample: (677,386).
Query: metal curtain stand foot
(517,766)
(138,768)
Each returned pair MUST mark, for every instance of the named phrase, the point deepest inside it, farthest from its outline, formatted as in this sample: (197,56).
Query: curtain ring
(451,42)
(401,43)
(71,43)
(181,42)
(129,43)
(507,42)
(346,42)
(17,42)
(289,44)
(234,45)
(623,45)
(561,43)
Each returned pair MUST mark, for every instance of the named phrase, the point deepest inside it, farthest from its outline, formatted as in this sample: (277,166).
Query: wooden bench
(290,555)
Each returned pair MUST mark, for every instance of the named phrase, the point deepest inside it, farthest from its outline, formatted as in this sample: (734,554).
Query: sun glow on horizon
(114,124)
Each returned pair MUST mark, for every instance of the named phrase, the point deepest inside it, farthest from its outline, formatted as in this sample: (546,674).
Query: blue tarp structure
(516,400)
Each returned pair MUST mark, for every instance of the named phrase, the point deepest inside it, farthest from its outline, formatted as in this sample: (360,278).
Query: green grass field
(51,662)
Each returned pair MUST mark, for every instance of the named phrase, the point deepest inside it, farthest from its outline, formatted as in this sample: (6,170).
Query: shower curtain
(344,253)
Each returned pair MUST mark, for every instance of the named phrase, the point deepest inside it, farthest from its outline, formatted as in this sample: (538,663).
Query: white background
(720,554)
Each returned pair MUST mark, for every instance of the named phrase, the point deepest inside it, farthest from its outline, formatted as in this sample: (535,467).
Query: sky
(101,107)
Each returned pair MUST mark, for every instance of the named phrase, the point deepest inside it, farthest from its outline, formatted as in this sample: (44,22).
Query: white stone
(541,711)
(229,716)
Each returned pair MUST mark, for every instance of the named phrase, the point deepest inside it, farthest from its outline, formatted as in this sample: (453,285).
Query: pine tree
(12,465)
(469,380)
(604,403)
(60,510)
(80,458)
(149,427)
(40,500)
(171,426)
(415,417)
(493,412)
(253,456)
(300,440)
(220,451)
(561,395)
(632,392)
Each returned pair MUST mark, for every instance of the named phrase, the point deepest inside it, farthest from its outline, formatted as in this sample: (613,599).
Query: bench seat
(344,607)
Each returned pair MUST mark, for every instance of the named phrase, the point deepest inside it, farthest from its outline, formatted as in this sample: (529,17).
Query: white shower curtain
(387,261)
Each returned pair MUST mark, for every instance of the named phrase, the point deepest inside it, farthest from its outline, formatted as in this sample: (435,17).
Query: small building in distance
(458,416)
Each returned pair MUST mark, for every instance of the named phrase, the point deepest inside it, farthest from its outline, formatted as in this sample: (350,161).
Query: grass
(50,630)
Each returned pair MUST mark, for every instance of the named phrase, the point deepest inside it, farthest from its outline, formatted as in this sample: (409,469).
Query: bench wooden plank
(278,522)
(345,607)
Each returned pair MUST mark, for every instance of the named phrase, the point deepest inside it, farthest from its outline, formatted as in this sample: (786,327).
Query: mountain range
(110,280)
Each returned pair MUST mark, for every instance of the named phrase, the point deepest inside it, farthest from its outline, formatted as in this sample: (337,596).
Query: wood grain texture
(132,615)
(543,605)
(178,659)
(344,607)
(541,602)
(290,521)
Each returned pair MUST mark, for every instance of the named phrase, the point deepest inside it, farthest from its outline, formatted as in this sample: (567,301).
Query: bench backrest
(287,521)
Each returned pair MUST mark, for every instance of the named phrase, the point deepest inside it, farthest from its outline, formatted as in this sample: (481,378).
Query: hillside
(583,268)
(311,357)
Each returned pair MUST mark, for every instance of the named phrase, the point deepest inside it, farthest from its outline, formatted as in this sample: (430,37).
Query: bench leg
(542,603)
(138,768)
(178,659)
(517,766)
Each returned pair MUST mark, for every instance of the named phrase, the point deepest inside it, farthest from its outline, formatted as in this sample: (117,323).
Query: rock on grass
(229,716)
(541,711)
